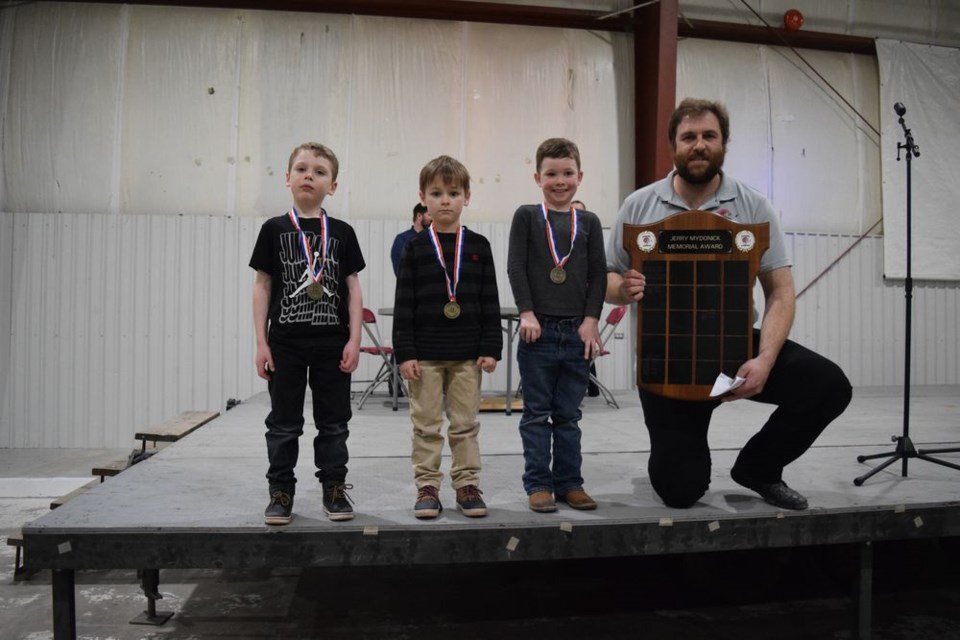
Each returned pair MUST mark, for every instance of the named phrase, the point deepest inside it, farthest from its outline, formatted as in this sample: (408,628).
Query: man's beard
(701,177)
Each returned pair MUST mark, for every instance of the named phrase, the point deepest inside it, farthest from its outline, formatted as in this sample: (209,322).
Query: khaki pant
(456,384)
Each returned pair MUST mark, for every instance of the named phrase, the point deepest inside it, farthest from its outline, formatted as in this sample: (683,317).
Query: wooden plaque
(695,319)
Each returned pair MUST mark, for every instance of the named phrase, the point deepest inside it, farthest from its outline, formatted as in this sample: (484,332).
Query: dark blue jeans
(809,391)
(296,366)
(554,376)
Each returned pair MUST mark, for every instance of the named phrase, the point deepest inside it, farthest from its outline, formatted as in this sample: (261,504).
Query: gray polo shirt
(733,199)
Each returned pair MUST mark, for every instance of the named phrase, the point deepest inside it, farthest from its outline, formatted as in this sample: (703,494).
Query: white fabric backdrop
(162,110)
(791,137)
(169,110)
(926,80)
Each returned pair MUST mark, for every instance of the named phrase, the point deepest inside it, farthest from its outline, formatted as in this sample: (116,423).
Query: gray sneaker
(280,509)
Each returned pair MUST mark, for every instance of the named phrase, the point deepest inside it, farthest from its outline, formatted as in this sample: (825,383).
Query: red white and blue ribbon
(315,273)
(457,260)
(551,241)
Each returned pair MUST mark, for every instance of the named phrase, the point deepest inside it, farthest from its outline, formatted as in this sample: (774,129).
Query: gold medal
(451,310)
(558,275)
(315,291)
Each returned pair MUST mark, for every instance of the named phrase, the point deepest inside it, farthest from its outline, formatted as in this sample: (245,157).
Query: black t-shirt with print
(295,317)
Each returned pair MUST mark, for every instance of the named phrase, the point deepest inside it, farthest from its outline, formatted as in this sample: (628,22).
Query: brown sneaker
(542,502)
(428,503)
(470,502)
(578,499)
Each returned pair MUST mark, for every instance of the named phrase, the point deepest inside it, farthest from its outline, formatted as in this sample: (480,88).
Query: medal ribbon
(557,260)
(457,260)
(305,244)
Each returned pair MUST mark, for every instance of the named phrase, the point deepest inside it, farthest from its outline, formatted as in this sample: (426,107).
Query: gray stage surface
(199,503)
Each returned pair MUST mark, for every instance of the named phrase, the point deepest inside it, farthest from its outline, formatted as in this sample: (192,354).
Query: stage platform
(199,503)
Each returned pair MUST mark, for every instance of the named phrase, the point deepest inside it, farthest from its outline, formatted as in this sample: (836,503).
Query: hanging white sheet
(926,81)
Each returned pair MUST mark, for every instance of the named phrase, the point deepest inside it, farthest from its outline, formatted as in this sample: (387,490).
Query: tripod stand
(905,448)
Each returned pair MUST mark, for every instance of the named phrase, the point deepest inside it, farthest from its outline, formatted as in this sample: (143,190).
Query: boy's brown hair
(557,148)
(449,170)
(319,150)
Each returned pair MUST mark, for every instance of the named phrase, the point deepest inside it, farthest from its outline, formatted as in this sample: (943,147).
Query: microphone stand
(905,448)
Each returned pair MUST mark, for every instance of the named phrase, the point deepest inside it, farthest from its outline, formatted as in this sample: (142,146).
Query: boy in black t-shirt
(307,313)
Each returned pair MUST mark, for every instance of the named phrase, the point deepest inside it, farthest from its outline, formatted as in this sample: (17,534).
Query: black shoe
(776,493)
(280,509)
(336,502)
(593,391)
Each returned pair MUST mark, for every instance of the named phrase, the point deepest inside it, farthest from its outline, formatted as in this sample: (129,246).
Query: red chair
(388,368)
(613,319)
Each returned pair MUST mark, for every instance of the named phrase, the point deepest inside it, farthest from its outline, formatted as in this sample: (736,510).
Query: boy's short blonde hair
(448,169)
(557,148)
(319,150)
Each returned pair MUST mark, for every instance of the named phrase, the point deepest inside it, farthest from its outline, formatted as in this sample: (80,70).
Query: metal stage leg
(150,583)
(864,592)
(64,604)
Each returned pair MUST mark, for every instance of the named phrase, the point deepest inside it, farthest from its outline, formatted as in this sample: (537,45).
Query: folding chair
(388,368)
(613,319)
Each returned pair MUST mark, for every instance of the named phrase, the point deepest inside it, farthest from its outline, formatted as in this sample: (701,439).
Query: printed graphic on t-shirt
(301,308)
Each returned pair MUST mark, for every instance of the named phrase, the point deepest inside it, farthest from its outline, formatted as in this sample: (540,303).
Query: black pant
(331,411)
(809,391)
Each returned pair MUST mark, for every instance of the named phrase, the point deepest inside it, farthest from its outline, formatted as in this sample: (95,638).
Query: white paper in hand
(725,383)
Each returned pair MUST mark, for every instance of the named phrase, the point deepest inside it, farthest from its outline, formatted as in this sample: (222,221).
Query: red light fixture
(792,20)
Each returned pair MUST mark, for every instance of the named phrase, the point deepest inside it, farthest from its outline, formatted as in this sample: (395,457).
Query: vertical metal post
(150,584)
(864,591)
(64,604)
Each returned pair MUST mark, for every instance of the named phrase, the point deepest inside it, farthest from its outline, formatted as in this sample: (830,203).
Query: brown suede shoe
(542,502)
(578,499)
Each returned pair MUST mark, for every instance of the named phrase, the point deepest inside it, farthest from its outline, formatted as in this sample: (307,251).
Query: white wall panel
(406,101)
(173,110)
(791,137)
(178,131)
(112,323)
(857,318)
(294,86)
(815,133)
(59,106)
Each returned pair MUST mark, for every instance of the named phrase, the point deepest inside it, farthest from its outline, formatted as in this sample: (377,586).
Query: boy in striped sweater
(446,332)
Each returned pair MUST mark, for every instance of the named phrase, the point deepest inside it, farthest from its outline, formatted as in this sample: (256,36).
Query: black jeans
(809,391)
(331,411)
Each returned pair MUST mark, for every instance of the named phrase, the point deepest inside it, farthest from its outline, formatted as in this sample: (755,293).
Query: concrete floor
(797,593)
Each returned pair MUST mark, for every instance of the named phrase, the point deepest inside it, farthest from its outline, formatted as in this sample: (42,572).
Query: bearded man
(808,390)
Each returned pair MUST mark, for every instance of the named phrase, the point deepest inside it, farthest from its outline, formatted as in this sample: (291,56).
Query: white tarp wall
(161,110)
(791,137)
(926,81)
